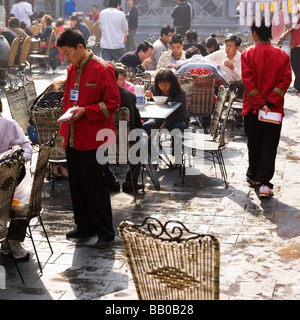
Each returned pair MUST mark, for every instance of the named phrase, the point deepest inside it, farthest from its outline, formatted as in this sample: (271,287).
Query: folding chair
(169,262)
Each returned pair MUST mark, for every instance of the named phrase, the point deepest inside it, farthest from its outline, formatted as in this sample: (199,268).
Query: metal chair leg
(15,262)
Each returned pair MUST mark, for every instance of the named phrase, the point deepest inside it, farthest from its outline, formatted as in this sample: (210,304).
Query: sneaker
(265,192)
(16,249)
(42,71)
(127,186)
(253,183)
(55,71)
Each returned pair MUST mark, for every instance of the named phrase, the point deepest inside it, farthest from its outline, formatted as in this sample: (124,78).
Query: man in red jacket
(92,87)
(266,75)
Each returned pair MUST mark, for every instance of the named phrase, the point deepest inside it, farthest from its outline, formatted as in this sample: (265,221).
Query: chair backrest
(45,122)
(201,100)
(13,52)
(9,173)
(221,137)
(217,111)
(89,24)
(118,152)
(96,31)
(168,262)
(56,30)
(35,30)
(50,43)
(30,91)
(35,201)
(17,102)
(26,46)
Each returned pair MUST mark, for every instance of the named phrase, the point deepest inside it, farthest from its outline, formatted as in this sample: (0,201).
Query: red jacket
(98,94)
(266,74)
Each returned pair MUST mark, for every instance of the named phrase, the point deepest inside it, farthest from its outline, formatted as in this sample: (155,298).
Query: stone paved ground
(260,239)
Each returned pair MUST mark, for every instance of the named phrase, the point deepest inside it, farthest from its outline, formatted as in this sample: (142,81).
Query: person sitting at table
(122,78)
(45,30)
(78,24)
(140,58)
(169,59)
(212,44)
(26,29)
(60,24)
(191,40)
(167,84)
(14,26)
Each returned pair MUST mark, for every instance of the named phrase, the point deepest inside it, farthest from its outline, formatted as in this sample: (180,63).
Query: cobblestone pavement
(259,239)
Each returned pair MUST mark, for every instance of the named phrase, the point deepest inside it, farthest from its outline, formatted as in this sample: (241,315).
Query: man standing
(114,29)
(23,11)
(91,85)
(140,58)
(266,74)
(132,16)
(182,14)
(161,45)
(70,7)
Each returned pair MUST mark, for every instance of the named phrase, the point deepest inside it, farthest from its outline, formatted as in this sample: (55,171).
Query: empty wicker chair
(168,262)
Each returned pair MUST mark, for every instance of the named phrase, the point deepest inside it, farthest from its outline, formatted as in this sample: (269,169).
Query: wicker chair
(200,100)
(215,146)
(9,174)
(168,262)
(17,101)
(25,49)
(30,91)
(12,55)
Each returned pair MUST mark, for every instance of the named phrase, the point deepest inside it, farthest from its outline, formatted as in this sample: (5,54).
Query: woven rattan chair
(168,262)
(45,56)
(11,57)
(30,91)
(214,147)
(35,202)
(25,49)
(9,174)
(17,102)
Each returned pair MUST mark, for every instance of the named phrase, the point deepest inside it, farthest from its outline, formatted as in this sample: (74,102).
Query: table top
(158,111)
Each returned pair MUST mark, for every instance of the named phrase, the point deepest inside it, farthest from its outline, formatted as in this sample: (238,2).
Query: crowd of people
(99,86)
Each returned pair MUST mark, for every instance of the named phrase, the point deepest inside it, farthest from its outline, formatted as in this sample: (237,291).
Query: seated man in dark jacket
(77,23)
(140,58)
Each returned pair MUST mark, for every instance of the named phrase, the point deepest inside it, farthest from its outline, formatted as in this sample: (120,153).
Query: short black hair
(70,37)
(14,22)
(176,39)
(211,41)
(191,51)
(75,18)
(144,46)
(237,40)
(263,32)
(166,29)
(114,3)
(191,35)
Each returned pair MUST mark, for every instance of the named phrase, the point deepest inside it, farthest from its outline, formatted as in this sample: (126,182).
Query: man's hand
(62,146)
(265,108)
(146,63)
(228,64)
(78,113)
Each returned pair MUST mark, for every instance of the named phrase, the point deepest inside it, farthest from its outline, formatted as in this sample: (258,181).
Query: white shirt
(11,134)
(114,27)
(219,56)
(22,10)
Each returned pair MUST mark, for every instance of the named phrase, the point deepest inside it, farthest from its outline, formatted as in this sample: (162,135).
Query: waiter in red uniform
(266,75)
(92,87)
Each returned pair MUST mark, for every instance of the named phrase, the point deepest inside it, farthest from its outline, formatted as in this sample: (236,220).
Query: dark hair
(211,41)
(114,3)
(94,5)
(237,40)
(60,22)
(176,39)
(191,51)
(1,107)
(14,22)
(70,37)
(263,32)
(120,68)
(167,75)
(191,35)
(166,29)
(23,25)
(48,19)
(75,18)
(144,46)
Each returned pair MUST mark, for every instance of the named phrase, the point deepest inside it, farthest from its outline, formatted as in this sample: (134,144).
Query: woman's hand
(148,94)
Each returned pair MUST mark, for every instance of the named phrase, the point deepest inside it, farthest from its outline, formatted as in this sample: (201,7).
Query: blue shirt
(70,7)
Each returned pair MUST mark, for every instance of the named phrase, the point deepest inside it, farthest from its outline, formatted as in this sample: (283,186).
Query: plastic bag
(19,206)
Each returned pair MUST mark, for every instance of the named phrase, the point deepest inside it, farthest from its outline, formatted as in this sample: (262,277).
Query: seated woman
(122,78)
(167,84)
(45,30)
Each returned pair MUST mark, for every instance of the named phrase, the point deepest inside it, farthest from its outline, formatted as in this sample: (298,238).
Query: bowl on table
(160,99)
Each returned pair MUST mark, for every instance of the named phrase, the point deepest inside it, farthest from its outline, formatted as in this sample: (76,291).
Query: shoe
(16,248)
(265,192)
(42,71)
(127,186)
(114,186)
(55,71)
(253,183)
(102,244)
(78,234)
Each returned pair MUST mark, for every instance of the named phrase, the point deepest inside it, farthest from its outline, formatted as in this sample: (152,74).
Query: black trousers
(89,193)
(295,62)
(263,140)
